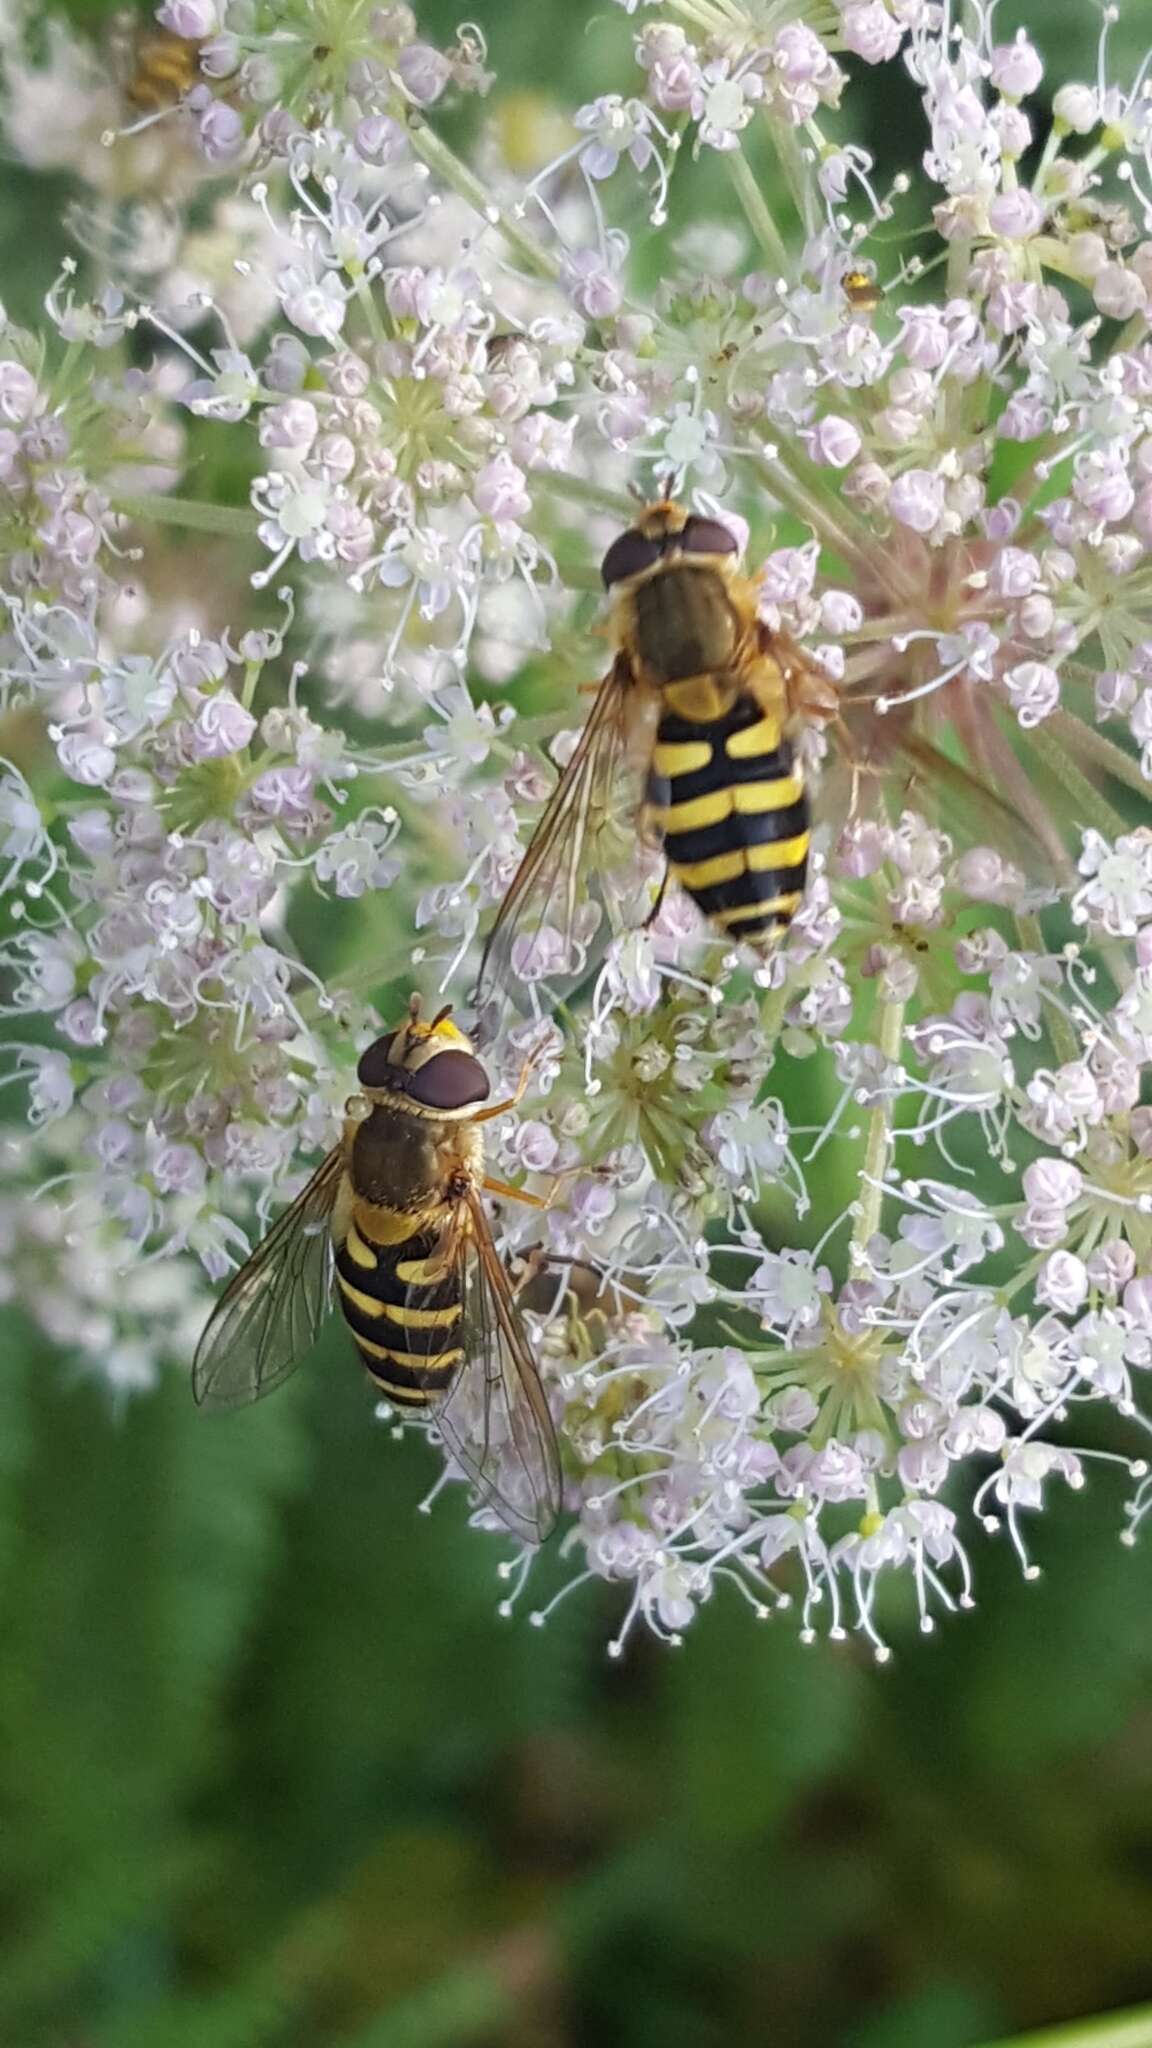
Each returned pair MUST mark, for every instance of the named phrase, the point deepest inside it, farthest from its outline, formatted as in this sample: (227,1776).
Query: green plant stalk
(1106,2030)
(877,1147)
(439,158)
(232,521)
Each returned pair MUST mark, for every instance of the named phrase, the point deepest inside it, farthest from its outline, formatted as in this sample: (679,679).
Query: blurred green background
(274,1772)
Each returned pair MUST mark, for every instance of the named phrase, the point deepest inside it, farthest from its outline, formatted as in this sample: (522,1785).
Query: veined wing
(535,932)
(269,1316)
(495,1421)
(986,802)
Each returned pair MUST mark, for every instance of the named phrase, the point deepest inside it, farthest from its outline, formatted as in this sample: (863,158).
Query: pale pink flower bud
(1013,571)
(840,612)
(1142,514)
(424,72)
(1104,486)
(1087,254)
(1112,1265)
(834,441)
(18,392)
(869,31)
(1118,292)
(1076,106)
(221,132)
(1016,67)
(1013,128)
(925,336)
(533,1146)
(1116,693)
(1015,215)
(293,425)
(222,727)
(1062,1283)
(1037,616)
(916,499)
(1024,418)
(335,457)
(1000,521)
(193,19)
(1033,691)
(379,139)
(1138,1302)
(80,1022)
(220,56)
(86,758)
(1053,1183)
(499,490)
(178,1170)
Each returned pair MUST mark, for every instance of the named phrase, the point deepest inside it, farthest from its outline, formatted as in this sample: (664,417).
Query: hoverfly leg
(485,1116)
(658,906)
(508,1193)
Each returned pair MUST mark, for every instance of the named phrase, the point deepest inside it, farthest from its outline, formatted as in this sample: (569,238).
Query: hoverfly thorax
(670,575)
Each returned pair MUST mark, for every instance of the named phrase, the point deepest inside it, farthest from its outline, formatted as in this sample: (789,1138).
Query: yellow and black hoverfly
(692,733)
(395,1216)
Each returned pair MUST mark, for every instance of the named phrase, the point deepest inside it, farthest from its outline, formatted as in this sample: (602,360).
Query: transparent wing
(269,1316)
(600,793)
(986,800)
(495,1420)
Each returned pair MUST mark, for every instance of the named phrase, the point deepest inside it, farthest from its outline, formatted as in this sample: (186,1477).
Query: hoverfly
(163,67)
(861,290)
(691,733)
(394,1215)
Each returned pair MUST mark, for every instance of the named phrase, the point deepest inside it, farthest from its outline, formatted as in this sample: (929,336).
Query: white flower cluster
(791,1334)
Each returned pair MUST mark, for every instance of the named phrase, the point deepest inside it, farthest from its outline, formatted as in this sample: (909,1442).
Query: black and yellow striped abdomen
(729,799)
(406,1324)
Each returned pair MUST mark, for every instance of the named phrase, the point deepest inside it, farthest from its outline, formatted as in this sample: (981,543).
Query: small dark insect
(861,291)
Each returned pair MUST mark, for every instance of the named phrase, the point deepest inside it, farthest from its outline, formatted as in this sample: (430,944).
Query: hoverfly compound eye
(707,537)
(629,556)
(449,1080)
(375,1069)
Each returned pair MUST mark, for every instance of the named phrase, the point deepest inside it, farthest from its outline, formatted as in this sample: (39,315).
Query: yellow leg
(508,1193)
(485,1116)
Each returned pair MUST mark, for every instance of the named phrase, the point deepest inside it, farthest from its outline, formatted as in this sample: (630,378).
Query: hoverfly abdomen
(730,801)
(404,1314)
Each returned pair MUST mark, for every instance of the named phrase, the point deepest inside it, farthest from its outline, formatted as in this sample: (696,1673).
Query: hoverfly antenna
(440,1016)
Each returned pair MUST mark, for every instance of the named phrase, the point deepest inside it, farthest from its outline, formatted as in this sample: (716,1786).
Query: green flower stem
(580,490)
(1089,805)
(234,522)
(1074,733)
(757,210)
(434,152)
(877,1147)
(1032,940)
(1106,2030)
(800,183)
